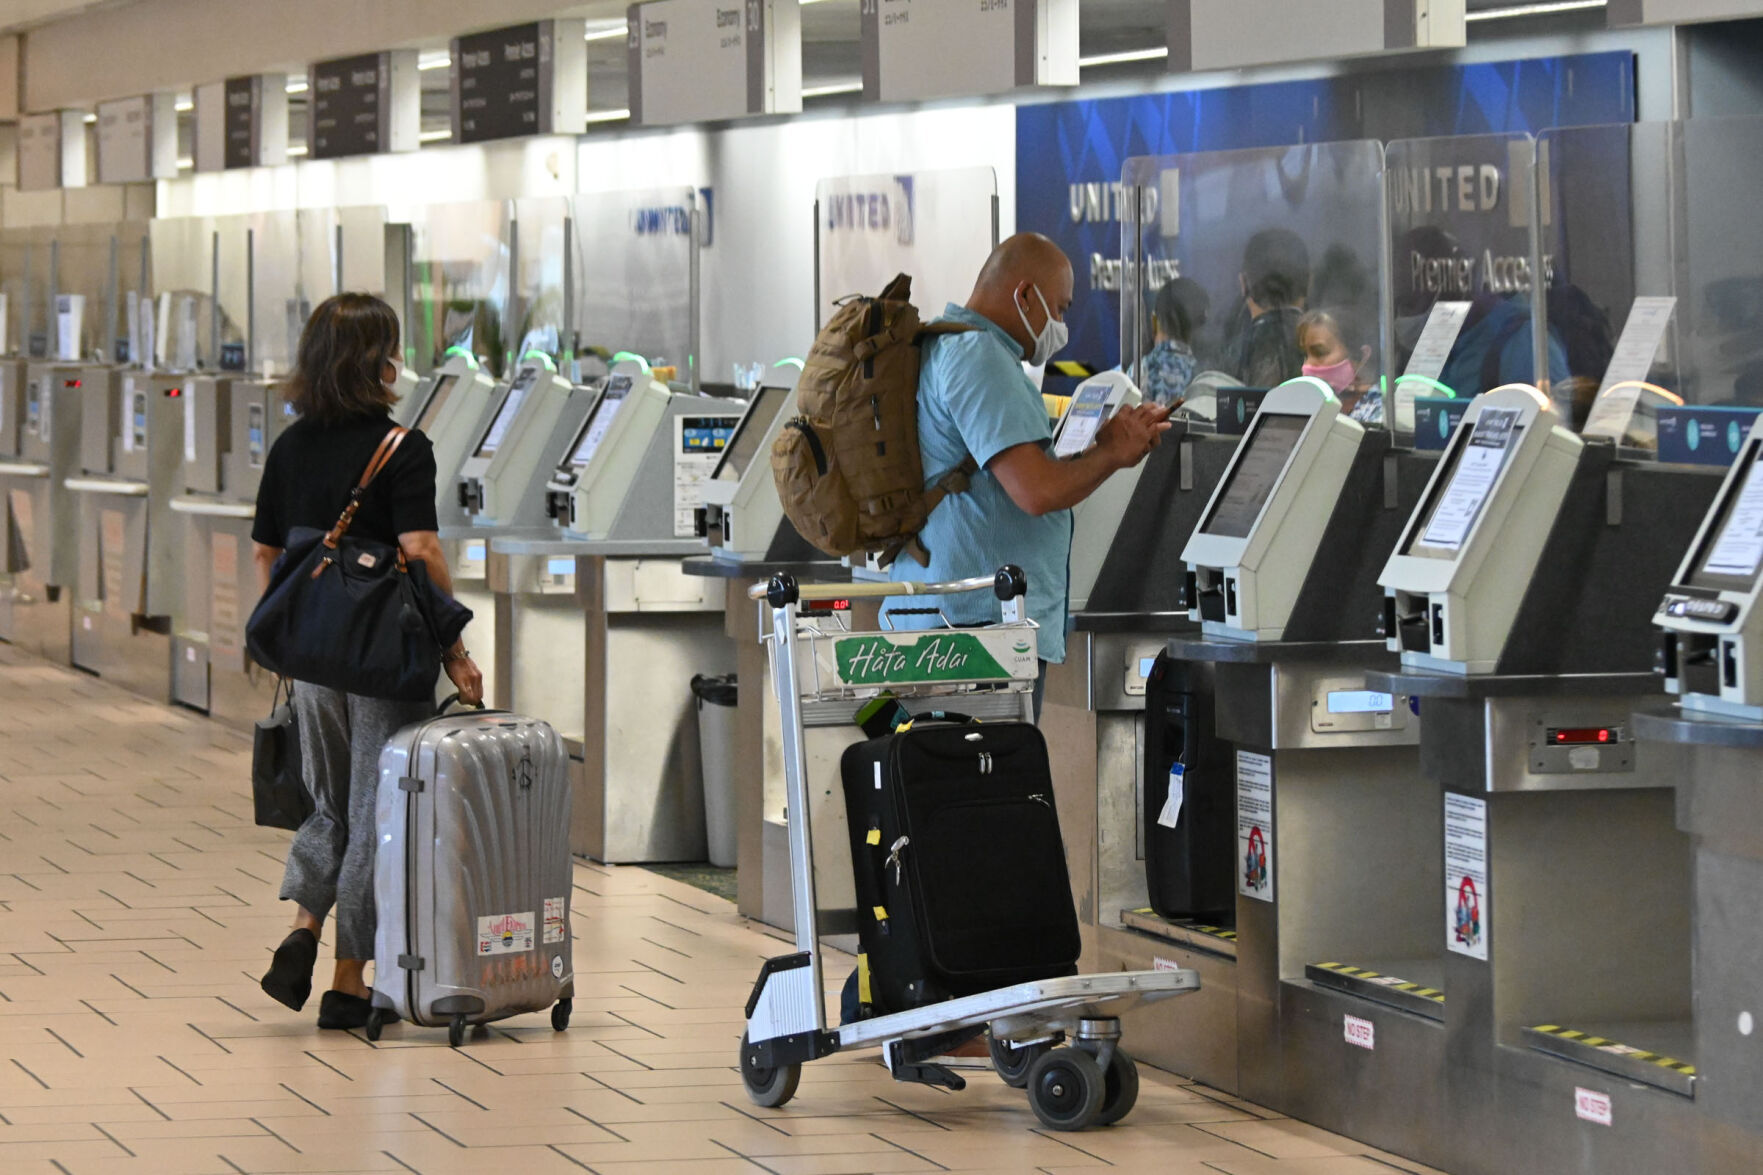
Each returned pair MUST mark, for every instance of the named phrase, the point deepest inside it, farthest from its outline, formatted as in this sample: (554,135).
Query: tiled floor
(137,908)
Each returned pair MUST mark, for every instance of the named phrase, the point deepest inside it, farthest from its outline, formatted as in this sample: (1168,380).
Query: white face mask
(397,370)
(1052,338)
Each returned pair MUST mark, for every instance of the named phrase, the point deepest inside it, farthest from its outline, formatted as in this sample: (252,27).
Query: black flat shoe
(339,1009)
(289,980)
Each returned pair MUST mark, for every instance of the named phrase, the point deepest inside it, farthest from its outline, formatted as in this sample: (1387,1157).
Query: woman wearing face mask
(1337,350)
(342,386)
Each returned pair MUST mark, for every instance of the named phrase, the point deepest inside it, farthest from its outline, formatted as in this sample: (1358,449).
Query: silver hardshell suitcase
(472,875)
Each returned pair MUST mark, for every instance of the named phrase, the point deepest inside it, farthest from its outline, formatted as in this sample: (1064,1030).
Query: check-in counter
(41,413)
(1519,599)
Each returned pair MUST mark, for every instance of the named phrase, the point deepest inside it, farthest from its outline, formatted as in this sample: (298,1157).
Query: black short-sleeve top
(312,467)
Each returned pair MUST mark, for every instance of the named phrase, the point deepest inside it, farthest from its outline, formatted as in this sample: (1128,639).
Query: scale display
(1731,559)
(749,434)
(1259,463)
(1477,464)
(523,383)
(704,434)
(600,421)
(437,400)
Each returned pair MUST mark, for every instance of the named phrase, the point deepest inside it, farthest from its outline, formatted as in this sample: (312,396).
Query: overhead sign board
(913,49)
(1235,34)
(703,60)
(242,122)
(364,105)
(52,150)
(1628,13)
(527,79)
(137,139)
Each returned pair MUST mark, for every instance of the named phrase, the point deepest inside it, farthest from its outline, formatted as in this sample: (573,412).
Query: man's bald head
(1021,267)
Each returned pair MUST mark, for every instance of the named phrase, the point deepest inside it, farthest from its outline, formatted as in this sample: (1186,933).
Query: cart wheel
(560,1014)
(1065,1089)
(376,1022)
(1012,1063)
(1120,1089)
(456,1030)
(767,1087)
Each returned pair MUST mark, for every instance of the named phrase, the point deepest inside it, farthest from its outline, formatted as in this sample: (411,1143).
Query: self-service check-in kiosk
(1712,656)
(1282,585)
(131,557)
(496,482)
(624,502)
(1520,599)
(743,521)
(42,556)
(230,424)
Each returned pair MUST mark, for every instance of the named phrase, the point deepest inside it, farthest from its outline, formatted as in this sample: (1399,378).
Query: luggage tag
(1171,812)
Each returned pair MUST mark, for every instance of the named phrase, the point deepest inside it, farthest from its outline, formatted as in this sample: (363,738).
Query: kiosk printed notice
(1472,480)
(1466,875)
(1255,826)
(698,442)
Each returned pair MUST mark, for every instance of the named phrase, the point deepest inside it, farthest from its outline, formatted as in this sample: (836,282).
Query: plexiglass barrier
(1463,263)
(183,283)
(635,276)
(938,226)
(460,283)
(541,300)
(1244,267)
(278,307)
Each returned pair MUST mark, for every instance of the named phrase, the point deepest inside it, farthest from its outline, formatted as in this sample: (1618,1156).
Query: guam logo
(525,772)
(1693,435)
(1466,923)
(1444,424)
(1242,409)
(1020,648)
(1255,861)
(1733,436)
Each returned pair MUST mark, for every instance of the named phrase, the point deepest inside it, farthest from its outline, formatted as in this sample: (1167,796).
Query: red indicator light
(72,383)
(173,393)
(1582,735)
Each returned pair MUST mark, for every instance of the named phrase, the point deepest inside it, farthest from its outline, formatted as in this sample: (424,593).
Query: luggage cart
(1090,1081)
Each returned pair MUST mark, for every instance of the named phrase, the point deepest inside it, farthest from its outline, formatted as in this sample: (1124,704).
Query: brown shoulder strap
(381,456)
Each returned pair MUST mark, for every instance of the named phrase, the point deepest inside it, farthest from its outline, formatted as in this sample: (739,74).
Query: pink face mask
(1338,376)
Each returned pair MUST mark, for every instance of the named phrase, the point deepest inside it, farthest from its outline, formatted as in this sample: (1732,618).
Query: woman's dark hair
(343,353)
(1276,268)
(1181,308)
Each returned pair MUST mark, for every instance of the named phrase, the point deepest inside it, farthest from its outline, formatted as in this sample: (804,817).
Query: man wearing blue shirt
(974,398)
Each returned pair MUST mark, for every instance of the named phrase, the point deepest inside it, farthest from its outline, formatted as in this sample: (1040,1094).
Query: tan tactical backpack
(848,471)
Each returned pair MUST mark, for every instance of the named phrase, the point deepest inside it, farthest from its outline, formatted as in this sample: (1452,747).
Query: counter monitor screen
(1259,463)
(749,434)
(1733,552)
(436,401)
(523,383)
(618,390)
(1462,490)
(705,434)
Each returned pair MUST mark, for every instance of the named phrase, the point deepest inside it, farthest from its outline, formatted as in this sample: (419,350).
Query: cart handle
(782,589)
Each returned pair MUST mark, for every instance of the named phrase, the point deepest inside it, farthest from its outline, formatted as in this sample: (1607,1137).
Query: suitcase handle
(441,710)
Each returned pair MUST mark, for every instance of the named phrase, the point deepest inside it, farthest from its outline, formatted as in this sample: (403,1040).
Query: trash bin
(716,740)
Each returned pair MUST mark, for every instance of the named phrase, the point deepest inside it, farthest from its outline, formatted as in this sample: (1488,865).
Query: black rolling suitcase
(1190,868)
(960,870)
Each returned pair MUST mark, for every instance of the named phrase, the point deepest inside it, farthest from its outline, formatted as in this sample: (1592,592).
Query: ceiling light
(434,136)
(607,115)
(299,150)
(835,88)
(1123,58)
(434,61)
(1536,9)
(187,164)
(606,34)
(298,86)
(183,107)
(91,118)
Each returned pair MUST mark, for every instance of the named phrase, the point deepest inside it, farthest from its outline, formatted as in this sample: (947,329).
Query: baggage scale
(816,658)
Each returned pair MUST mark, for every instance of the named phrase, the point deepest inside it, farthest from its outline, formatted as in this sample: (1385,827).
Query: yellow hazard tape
(1217,932)
(1068,367)
(1394,983)
(1616,1048)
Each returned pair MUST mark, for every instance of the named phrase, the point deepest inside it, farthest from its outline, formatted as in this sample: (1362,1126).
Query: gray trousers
(330,862)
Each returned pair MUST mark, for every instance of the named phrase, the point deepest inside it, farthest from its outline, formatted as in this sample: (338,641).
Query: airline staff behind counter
(974,398)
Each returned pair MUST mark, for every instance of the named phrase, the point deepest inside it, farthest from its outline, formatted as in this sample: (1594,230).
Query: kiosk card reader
(494,480)
(1712,649)
(1261,531)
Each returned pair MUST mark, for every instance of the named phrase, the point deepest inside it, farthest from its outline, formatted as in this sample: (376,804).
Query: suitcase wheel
(560,1014)
(768,1087)
(1066,1088)
(1011,1063)
(456,1029)
(376,1023)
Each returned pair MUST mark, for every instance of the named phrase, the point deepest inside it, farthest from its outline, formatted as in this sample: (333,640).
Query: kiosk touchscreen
(743,519)
(1713,625)
(584,445)
(520,436)
(1261,530)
